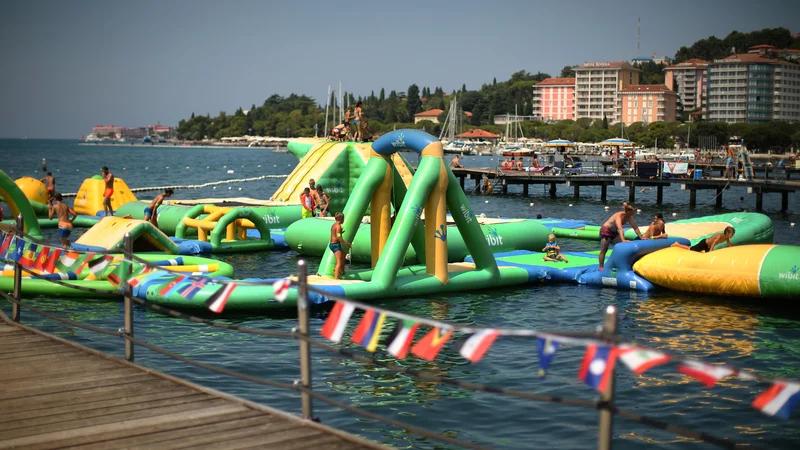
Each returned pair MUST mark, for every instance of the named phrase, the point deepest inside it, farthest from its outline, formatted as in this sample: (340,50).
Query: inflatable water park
(415,229)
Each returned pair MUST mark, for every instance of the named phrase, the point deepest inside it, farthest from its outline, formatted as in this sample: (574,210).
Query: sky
(69,65)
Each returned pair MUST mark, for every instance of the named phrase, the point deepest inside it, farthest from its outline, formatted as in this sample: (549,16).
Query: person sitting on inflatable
(707,245)
(656,230)
(552,249)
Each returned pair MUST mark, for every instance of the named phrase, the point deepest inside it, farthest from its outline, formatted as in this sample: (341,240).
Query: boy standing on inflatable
(63,212)
(612,231)
(151,212)
(108,178)
(50,182)
(336,245)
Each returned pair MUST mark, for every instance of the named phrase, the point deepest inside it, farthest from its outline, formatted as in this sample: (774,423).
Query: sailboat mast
(327,104)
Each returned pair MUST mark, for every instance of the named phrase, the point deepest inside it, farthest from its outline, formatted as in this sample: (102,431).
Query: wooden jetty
(55,393)
(505,178)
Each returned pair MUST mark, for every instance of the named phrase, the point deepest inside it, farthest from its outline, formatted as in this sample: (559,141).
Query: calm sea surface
(746,332)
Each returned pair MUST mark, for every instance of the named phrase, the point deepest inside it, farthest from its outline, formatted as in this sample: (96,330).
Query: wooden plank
(264,426)
(8,416)
(18,335)
(39,426)
(150,424)
(195,433)
(89,394)
(55,420)
(31,348)
(52,368)
(326,441)
(76,355)
(74,371)
(23,389)
(74,388)
(276,439)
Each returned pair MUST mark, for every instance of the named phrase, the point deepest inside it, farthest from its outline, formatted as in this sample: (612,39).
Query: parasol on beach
(619,142)
(559,143)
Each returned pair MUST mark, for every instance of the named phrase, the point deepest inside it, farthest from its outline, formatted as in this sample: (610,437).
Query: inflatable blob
(768,271)
(89,200)
(34,190)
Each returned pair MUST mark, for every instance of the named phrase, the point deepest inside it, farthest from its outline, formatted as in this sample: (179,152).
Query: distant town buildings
(648,103)
(639,60)
(115,132)
(554,99)
(689,79)
(753,87)
(598,86)
(431,114)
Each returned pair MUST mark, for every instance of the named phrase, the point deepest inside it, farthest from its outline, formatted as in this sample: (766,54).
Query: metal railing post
(127,302)
(15,308)
(305,348)
(606,425)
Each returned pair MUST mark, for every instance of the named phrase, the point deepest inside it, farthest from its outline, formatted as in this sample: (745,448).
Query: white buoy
(240,189)
(187,167)
(224,167)
(606,208)
(486,201)
(532,204)
(214,187)
(274,165)
(791,224)
(259,165)
(146,168)
(167,167)
(674,214)
(570,204)
(208,167)
(638,211)
(229,188)
(230,170)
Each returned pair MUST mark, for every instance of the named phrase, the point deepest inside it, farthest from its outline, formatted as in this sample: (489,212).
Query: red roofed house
(753,88)
(648,103)
(476,134)
(431,114)
(691,80)
(554,99)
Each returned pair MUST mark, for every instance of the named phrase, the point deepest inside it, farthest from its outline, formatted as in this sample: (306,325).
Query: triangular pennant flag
(598,366)
(705,373)
(116,276)
(188,291)
(5,244)
(401,337)
(281,289)
(779,400)
(429,346)
(172,286)
(67,261)
(640,360)
(50,264)
(474,347)
(369,330)
(41,259)
(337,321)
(216,302)
(547,351)
(28,255)
(98,266)
(84,262)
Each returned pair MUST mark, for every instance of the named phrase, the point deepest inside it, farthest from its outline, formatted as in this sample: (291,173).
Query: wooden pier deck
(505,178)
(54,394)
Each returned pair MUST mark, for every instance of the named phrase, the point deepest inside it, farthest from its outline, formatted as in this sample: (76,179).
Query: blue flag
(547,351)
(17,255)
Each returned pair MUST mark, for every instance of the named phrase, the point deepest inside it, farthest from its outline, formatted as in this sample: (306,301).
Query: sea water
(751,334)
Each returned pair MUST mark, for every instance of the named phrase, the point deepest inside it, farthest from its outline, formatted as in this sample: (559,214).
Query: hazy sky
(68,65)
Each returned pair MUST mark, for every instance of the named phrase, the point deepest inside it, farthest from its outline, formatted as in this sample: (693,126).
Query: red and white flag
(337,321)
(401,337)
(50,264)
(477,345)
(216,302)
(640,360)
(705,373)
(281,289)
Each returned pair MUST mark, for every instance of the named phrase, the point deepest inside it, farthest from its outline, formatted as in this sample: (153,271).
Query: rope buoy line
(193,186)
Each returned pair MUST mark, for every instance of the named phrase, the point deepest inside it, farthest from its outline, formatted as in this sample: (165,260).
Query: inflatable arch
(19,204)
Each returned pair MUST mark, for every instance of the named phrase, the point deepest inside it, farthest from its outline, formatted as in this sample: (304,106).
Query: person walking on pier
(50,182)
(108,178)
(730,162)
(455,163)
(62,211)
(612,231)
(336,245)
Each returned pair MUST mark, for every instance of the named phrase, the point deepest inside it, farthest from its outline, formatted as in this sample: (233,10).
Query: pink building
(648,103)
(554,99)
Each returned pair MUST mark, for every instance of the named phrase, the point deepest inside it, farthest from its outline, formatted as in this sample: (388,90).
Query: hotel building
(554,99)
(753,88)
(691,80)
(597,88)
(648,103)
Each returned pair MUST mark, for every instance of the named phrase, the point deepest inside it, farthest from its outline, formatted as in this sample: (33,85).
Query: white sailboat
(450,129)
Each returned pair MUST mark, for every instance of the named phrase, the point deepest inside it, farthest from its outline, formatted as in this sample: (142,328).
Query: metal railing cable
(58,318)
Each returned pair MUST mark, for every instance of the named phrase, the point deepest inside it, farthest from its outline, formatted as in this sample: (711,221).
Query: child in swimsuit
(552,249)
(50,182)
(336,245)
(323,201)
(308,204)
(108,178)
(707,245)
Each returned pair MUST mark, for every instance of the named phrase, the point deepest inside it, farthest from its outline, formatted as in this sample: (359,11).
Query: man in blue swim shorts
(65,218)
(151,212)
(730,167)
(336,245)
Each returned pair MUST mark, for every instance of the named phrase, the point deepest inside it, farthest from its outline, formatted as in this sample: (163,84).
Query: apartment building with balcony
(598,86)
(648,103)
(554,99)
(690,80)
(753,88)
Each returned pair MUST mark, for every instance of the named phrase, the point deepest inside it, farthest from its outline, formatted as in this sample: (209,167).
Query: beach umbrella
(559,143)
(617,141)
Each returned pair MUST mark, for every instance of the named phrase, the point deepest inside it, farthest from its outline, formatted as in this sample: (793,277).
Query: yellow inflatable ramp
(89,200)
(110,232)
